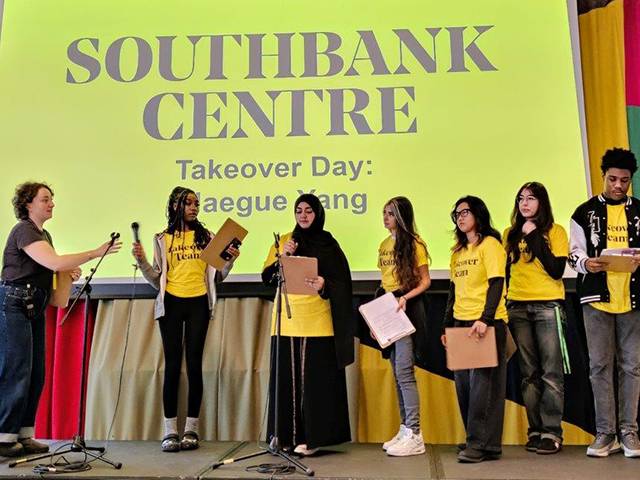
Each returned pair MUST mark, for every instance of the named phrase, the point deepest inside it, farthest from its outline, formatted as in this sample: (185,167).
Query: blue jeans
(614,335)
(481,393)
(402,363)
(535,331)
(22,343)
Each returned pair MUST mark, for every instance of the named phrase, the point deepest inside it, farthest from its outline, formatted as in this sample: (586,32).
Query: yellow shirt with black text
(618,283)
(387,264)
(310,314)
(186,271)
(471,269)
(529,281)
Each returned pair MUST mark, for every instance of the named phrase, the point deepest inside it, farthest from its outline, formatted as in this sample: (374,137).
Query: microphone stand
(274,447)
(78,444)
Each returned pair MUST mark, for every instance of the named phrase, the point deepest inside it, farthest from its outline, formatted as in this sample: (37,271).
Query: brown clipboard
(230,232)
(60,295)
(619,263)
(296,271)
(464,352)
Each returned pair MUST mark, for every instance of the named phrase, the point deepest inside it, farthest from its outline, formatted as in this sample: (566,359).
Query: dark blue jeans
(22,343)
(481,393)
(535,330)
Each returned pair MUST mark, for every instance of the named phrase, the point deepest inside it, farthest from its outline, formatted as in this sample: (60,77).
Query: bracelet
(405,299)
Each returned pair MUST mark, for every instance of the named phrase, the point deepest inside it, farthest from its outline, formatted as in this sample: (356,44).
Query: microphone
(294,240)
(134,229)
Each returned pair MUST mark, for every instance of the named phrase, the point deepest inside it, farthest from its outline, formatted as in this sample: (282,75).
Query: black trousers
(185,322)
(481,395)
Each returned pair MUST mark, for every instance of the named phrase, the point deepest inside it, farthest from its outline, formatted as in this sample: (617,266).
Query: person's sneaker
(603,445)
(630,443)
(31,446)
(171,443)
(396,439)
(532,443)
(304,451)
(473,455)
(13,449)
(410,444)
(548,446)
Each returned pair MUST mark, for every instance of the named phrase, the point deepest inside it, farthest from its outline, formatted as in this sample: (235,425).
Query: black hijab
(333,266)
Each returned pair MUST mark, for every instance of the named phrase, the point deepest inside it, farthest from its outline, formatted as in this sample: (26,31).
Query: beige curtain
(236,375)
(235,370)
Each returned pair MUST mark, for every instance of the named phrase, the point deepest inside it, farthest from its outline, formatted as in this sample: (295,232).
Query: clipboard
(464,352)
(296,271)
(619,259)
(230,233)
(60,295)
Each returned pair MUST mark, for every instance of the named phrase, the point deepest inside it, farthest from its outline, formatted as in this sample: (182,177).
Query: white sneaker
(396,439)
(410,444)
(304,451)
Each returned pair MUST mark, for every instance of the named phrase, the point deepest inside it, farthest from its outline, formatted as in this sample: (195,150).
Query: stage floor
(144,460)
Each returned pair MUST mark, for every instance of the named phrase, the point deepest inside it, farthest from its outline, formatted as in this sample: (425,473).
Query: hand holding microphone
(137,251)
(290,246)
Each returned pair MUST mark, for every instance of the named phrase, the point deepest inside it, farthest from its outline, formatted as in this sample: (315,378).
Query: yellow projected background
(114,103)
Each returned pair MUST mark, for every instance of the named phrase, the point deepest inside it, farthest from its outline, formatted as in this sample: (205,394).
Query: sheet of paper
(386,324)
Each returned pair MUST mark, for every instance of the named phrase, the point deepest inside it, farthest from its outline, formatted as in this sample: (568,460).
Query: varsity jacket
(589,238)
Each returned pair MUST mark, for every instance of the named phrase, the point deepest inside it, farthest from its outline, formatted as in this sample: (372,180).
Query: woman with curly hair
(28,265)
(186,298)
(403,261)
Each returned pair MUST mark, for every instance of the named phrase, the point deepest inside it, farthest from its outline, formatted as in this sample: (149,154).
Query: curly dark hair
(24,195)
(176,221)
(619,158)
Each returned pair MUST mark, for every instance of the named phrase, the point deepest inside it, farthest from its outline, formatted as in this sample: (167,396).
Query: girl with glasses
(476,300)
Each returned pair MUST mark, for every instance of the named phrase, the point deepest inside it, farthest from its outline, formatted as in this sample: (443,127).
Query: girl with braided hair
(186,298)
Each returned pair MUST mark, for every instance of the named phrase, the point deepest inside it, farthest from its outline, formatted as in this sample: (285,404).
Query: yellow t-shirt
(529,280)
(617,282)
(471,269)
(387,264)
(186,272)
(310,314)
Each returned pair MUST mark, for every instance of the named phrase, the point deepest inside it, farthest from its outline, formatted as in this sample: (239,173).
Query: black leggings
(188,318)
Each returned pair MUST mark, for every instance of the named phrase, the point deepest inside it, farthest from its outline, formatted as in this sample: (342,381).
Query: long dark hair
(543,219)
(176,221)
(404,251)
(484,228)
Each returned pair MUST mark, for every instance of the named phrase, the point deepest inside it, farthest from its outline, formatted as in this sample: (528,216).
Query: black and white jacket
(589,238)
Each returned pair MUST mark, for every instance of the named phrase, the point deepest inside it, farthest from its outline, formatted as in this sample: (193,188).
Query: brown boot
(31,446)
(14,449)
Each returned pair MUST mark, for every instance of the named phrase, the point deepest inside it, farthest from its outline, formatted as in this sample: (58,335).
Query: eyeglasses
(462,213)
(528,198)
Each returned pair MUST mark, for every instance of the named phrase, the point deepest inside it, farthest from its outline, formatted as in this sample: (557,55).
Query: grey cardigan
(156,275)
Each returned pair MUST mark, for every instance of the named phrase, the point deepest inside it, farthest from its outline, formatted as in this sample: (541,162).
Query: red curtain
(58,410)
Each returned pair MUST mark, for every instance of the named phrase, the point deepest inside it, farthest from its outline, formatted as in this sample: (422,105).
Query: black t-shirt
(19,267)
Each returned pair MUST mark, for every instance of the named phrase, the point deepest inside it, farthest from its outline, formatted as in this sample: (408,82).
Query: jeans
(481,394)
(610,335)
(402,363)
(22,357)
(535,330)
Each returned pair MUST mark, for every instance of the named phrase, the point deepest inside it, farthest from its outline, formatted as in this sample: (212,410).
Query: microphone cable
(124,354)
